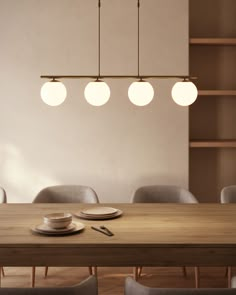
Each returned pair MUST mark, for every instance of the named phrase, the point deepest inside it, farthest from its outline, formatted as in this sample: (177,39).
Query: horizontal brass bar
(115,77)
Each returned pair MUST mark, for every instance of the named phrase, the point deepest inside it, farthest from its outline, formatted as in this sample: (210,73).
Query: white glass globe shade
(97,93)
(140,93)
(184,93)
(53,93)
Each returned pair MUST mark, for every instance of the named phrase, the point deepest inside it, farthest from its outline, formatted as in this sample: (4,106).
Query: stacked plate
(44,229)
(58,224)
(97,213)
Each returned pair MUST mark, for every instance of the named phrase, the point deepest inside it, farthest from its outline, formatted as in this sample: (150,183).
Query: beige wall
(114,148)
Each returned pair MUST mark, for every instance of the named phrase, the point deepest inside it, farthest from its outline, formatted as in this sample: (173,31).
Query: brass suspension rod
(99,76)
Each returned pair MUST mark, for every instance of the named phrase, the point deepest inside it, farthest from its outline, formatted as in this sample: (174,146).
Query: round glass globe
(184,93)
(97,93)
(140,93)
(53,93)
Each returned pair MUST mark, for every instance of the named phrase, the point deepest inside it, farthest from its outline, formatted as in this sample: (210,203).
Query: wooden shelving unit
(213,143)
(212,118)
(212,41)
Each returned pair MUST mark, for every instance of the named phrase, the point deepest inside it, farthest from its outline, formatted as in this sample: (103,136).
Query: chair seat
(233,282)
(87,287)
(134,288)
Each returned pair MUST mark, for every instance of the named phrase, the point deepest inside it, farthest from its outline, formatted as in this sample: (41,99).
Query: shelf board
(212,41)
(217,92)
(227,143)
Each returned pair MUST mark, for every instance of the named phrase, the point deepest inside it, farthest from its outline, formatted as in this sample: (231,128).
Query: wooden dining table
(146,234)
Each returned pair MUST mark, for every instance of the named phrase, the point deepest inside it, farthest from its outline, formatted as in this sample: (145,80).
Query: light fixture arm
(117,77)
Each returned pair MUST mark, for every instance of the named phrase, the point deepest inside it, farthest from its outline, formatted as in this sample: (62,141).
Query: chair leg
(95,271)
(184,271)
(46,271)
(226,271)
(197,277)
(33,277)
(229,273)
(135,273)
(0,276)
(3,272)
(90,270)
(140,268)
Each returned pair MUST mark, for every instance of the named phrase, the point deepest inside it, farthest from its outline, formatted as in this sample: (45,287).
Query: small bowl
(58,220)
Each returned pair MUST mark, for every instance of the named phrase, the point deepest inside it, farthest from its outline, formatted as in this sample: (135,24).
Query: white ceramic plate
(99,217)
(45,230)
(98,211)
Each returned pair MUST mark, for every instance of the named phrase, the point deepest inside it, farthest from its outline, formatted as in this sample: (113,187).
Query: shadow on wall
(21,181)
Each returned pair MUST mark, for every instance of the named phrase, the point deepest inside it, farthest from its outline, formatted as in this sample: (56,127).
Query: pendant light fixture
(184,93)
(53,93)
(97,92)
(140,92)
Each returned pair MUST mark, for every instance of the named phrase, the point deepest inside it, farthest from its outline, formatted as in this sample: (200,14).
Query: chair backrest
(87,287)
(163,194)
(228,194)
(134,288)
(3,195)
(67,194)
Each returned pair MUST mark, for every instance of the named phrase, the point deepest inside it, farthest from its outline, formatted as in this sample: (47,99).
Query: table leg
(135,273)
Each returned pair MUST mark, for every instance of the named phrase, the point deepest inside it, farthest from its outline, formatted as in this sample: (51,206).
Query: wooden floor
(111,280)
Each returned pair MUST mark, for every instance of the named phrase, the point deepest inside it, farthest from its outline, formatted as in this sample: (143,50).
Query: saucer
(98,211)
(98,217)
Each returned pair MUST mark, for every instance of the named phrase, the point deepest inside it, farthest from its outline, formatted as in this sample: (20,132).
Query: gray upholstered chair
(164,194)
(66,194)
(233,282)
(134,288)
(3,199)
(87,287)
(3,195)
(228,195)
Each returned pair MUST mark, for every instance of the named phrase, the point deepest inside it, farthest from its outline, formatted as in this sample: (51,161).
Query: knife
(105,232)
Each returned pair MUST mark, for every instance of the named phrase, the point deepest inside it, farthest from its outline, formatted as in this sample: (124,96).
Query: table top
(149,225)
